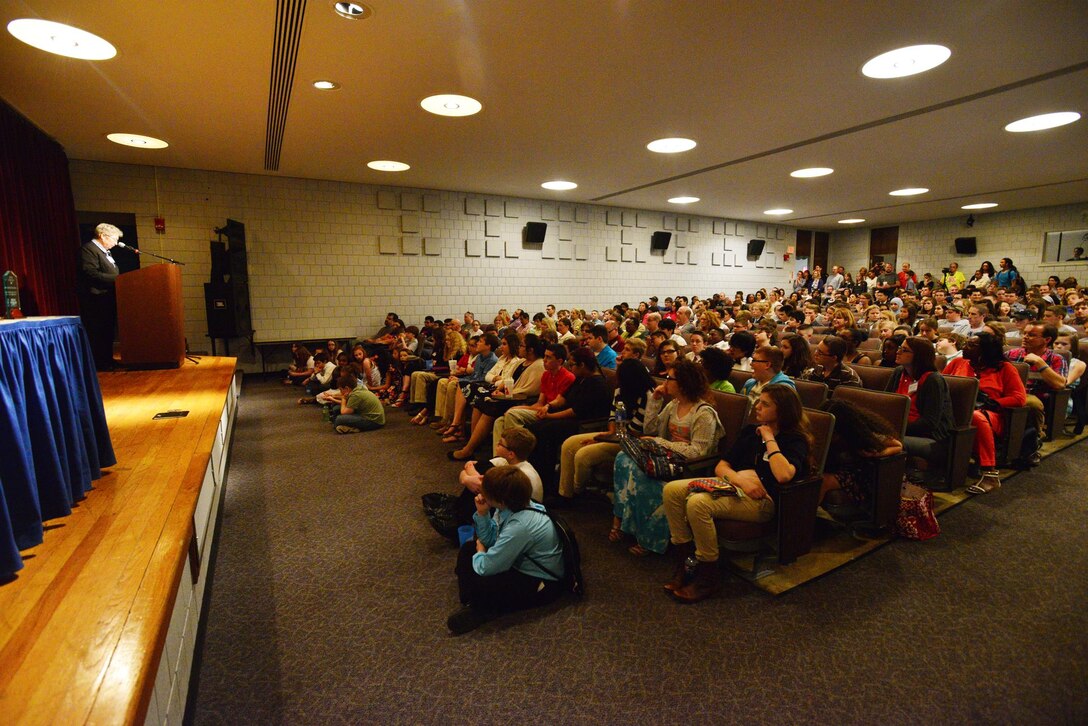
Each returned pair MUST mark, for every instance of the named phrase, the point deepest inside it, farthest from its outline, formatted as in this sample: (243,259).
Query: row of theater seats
(790,533)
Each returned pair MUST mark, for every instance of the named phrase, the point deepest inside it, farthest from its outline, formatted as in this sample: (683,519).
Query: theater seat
(732,411)
(789,534)
(812,393)
(738,378)
(874,378)
(883,476)
(950,459)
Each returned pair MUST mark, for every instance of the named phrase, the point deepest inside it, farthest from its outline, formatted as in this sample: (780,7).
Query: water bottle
(621,418)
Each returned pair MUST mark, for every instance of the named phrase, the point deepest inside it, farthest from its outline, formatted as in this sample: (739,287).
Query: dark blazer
(96,272)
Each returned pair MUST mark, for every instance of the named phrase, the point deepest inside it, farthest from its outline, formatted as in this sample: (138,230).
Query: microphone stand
(165,259)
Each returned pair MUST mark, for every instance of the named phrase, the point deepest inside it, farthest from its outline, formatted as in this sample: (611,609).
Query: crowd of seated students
(559,374)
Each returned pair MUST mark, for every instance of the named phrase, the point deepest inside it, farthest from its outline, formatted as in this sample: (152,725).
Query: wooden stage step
(84,625)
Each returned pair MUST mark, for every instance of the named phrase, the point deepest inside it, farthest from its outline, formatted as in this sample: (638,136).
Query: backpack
(572,580)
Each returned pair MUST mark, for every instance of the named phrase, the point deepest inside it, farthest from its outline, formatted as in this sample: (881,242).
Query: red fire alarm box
(160,225)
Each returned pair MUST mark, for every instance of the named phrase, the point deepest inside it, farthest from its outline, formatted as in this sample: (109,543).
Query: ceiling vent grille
(289,15)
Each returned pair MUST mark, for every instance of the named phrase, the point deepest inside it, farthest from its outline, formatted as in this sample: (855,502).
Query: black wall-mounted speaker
(660,240)
(755,247)
(534,232)
(966,246)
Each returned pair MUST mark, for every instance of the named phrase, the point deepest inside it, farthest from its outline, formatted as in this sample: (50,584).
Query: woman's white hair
(108,230)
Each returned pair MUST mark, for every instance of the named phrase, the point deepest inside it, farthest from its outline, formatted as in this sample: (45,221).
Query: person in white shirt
(562,326)
(950,345)
(835,279)
(953,318)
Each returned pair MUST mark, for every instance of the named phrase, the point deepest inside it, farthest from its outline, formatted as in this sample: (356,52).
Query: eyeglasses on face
(760,360)
(668,351)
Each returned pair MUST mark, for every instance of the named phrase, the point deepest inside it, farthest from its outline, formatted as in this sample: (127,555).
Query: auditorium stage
(99,625)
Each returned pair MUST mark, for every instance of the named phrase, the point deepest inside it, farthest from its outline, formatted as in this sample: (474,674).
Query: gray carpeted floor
(330,595)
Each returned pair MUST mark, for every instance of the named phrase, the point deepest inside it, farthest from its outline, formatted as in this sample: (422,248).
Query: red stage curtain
(39,236)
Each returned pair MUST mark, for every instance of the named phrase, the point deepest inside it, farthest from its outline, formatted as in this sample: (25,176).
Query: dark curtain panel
(39,237)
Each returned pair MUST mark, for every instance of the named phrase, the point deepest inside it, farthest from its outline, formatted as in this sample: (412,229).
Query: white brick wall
(930,245)
(315,267)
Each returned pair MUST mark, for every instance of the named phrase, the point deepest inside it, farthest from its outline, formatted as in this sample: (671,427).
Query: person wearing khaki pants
(580,454)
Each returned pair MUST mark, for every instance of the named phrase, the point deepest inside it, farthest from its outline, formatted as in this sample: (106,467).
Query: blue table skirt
(53,430)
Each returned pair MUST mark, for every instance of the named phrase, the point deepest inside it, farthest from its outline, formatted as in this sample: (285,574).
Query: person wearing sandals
(526,388)
(516,560)
(445,387)
(999,388)
(687,425)
(767,454)
(485,360)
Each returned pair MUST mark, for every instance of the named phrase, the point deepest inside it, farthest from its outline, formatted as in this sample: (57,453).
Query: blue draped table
(53,430)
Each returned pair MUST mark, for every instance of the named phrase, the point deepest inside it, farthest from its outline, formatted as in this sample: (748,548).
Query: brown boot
(680,555)
(707,582)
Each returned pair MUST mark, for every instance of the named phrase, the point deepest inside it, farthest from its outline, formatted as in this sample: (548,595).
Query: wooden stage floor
(83,625)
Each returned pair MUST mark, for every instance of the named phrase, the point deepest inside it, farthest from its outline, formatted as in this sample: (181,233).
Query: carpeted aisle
(331,592)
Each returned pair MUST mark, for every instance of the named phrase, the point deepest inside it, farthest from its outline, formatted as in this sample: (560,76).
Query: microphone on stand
(167,259)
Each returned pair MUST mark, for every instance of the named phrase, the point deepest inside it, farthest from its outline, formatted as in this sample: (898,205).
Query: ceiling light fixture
(778,212)
(906,61)
(137,141)
(851,221)
(448,104)
(386,165)
(811,172)
(559,186)
(683,200)
(1043,122)
(352,11)
(671,146)
(908,192)
(980,205)
(326,85)
(61,39)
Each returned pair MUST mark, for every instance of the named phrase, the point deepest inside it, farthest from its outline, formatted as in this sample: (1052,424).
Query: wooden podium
(150,319)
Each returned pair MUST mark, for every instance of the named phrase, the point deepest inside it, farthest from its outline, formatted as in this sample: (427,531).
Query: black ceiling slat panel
(285,45)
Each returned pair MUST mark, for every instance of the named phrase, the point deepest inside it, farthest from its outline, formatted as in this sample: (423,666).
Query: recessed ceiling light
(326,85)
(778,212)
(61,39)
(137,141)
(386,165)
(1045,121)
(671,146)
(560,186)
(811,172)
(909,192)
(980,205)
(851,221)
(906,61)
(683,200)
(352,11)
(448,104)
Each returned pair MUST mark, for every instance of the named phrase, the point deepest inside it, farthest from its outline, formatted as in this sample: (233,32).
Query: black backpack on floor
(572,580)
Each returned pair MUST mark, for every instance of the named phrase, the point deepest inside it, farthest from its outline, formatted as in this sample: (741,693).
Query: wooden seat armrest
(796,514)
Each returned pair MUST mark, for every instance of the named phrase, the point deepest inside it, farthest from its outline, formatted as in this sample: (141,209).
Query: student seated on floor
(513,447)
(360,410)
(516,560)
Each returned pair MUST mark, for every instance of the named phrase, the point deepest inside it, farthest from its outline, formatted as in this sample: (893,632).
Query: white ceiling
(575,89)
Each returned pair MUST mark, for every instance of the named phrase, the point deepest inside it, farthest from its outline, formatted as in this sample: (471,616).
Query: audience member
(772,452)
